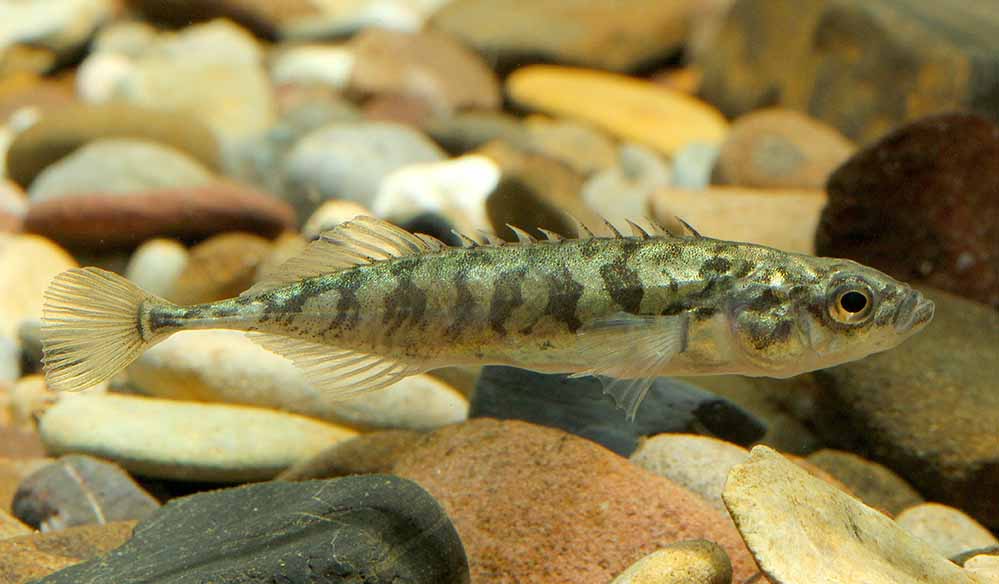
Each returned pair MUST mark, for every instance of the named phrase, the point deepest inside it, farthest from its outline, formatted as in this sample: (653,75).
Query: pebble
(874,484)
(27,264)
(626,107)
(28,558)
(946,529)
(349,160)
(984,567)
(260,16)
(463,132)
(314,65)
(780,149)
(25,96)
(584,148)
(801,529)
(62,28)
(621,192)
(329,215)
(156,264)
(12,472)
(785,219)
(20,443)
(693,164)
(377,529)
(592,513)
(579,406)
(10,361)
(920,204)
(80,490)
(220,267)
(11,527)
(330,20)
(372,453)
(227,367)
(13,203)
(223,443)
(688,562)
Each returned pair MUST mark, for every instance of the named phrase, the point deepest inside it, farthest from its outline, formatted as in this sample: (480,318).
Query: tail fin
(91,327)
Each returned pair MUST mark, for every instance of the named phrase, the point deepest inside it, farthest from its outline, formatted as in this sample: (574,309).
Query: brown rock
(29,557)
(108,221)
(220,267)
(13,206)
(400,109)
(874,484)
(922,203)
(372,453)
(263,17)
(20,443)
(27,90)
(778,148)
(535,504)
(863,66)
(12,472)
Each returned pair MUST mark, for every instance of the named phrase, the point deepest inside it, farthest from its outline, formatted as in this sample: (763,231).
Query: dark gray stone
(371,529)
(579,406)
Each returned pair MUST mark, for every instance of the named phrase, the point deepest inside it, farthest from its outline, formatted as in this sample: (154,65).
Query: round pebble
(27,264)
(688,562)
(156,264)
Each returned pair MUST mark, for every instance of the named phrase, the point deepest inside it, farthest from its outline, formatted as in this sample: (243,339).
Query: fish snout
(914,313)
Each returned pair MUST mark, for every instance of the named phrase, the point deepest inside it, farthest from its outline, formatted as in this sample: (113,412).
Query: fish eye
(851,304)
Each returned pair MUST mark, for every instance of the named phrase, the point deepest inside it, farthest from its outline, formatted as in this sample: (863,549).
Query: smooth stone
(606,34)
(591,513)
(326,20)
(314,65)
(456,189)
(629,108)
(693,164)
(700,463)
(785,219)
(940,437)
(428,64)
(780,149)
(27,265)
(31,396)
(378,529)
(228,367)
(62,27)
(80,490)
(801,529)
(688,562)
(349,161)
(372,453)
(584,148)
(579,406)
(12,472)
(223,443)
(221,267)
(621,192)
(156,264)
(946,529)
(188,214)
(874,484)
(13,201)
(118,166)
(10,361)
(463,132)
(329,215)
(61,132)
(920,204)
(27,558)
(408,110)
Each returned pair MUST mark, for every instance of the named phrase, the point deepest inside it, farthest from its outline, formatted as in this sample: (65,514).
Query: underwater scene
(499,291)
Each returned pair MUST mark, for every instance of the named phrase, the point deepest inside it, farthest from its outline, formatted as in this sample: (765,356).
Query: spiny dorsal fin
(466,241)
(637,230)
(582,231)
(689,228)
(490,238)
(522,236)
(610,227)
(550,235)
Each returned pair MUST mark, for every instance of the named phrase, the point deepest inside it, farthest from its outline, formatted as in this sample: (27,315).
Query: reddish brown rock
(535,504)
(116,221)
(922,204)
(29,557)
(13,206)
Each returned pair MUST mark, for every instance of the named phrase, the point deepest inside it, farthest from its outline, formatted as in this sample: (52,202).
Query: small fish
(369,303)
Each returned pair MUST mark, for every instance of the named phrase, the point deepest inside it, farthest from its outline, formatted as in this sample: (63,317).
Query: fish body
(370,303)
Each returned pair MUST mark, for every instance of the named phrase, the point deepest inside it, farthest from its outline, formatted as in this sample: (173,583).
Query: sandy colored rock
(785,219)
(585,149)
(535,504)
(687,562)
(949,530)
(27,264)
(874,484)
(800,529)
(374,453)
(626,107)
(155,265)
(984,567)
(220,267)
(26,558)
(10,526)
(12,472)
(13,203)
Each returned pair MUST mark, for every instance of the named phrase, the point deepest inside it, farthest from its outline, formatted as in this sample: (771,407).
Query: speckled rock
(874,484)
(687,562)
(539,505)
(220,267)
(27,558)
(10,526)
(155,265)
(947,529)
(226,366)
(223,442)
(801,529)
(372,453)
(27,264)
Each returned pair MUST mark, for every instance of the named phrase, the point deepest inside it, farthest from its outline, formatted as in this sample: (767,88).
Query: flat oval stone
(949,530)
(689,562)
(221,443)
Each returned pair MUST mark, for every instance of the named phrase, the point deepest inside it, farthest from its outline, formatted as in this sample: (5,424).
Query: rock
(80,490)
(220,267)
(62,28)
(626,107)
(700,463)
(29,337)
(874,484)
(579,406)
(349,161)
(331,20)
(607,34)
(12,472)
(785,219)
(705,26)
(686,79)
(984,567)
(224,443)
(800,529)
(938,437)
(11,527)
(20,443)
(372,453)
(538,505)
(263,17)
(407,110)
(27,264)
(828,58)
(428,64)
(30,396)
(13,204)
(693,164)
(156,264)
(27,92)
(226,366)
(780,149)
(10,361)
(585,149)
(920,204)
(109,221)
(329,215)
(26,558)
(60,133)
(463,132)
(688,562)
(376,529)
(621,192)
(947,530)
(455,189)
(313,65)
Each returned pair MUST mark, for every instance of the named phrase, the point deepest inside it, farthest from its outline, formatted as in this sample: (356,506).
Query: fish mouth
(914,313)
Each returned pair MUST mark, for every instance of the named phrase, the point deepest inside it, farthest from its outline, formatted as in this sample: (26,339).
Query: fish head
(823,312)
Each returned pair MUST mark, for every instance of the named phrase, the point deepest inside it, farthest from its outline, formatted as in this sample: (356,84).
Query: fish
(369,303)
